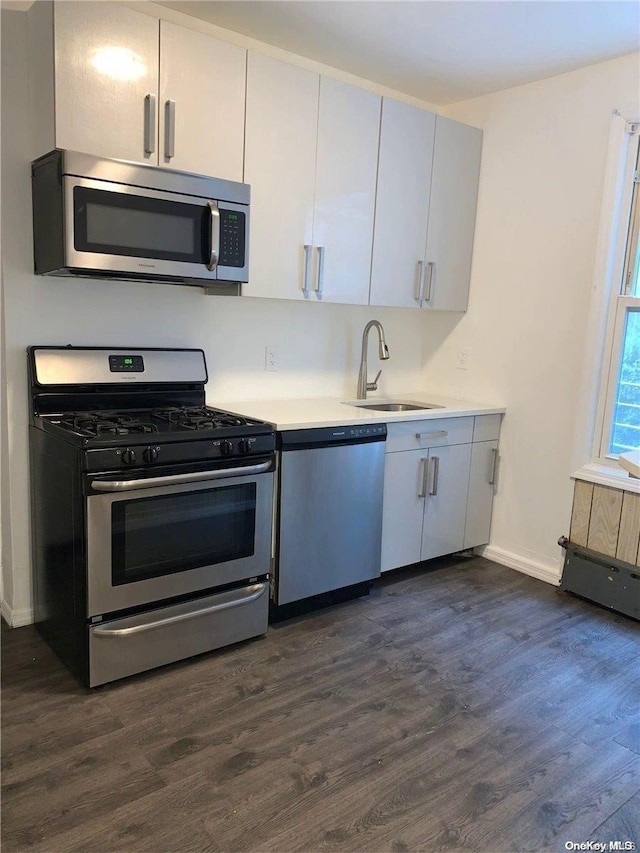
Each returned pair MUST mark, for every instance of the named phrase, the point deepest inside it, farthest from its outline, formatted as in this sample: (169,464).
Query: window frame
(624,240)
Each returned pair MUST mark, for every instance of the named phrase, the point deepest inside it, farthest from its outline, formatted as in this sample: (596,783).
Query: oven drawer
(136,643)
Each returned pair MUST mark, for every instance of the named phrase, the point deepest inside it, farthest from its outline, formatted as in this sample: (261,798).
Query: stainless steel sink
(381,406)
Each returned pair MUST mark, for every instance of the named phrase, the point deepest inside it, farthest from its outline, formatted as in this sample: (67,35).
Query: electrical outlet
(464,358)
(271,358)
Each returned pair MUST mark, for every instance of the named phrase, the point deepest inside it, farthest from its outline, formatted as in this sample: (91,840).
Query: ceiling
(441,51)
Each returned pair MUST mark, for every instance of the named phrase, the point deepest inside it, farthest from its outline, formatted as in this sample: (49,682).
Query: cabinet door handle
(149,124)
(441,433)
(436,471)
(307,262)
(320,281)
(423,480)
(493,464)
(169,129)
(419,282)
(431,280)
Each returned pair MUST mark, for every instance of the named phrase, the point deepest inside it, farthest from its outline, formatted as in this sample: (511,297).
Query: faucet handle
(373,386)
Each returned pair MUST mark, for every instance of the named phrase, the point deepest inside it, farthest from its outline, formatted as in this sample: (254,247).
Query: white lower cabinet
(445,500)
(438,489)
(482,479)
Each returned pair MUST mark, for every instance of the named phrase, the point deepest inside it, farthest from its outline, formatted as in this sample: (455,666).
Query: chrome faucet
(363,385)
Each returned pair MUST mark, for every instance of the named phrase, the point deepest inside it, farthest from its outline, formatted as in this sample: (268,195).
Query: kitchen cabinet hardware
(423,482)
(169,129)
(307,264)
(493,462)
(320,279)
(430,279)
(150,124)
(434,462)
(432,436)
(419,282)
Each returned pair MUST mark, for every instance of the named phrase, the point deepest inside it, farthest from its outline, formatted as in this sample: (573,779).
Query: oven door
(122,229)
(156,538)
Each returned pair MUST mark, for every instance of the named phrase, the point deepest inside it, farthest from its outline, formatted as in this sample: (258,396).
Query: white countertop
(630,462)
(327,412)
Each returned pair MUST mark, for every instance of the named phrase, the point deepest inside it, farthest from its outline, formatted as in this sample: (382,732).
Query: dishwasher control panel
(362,431)
(326,436)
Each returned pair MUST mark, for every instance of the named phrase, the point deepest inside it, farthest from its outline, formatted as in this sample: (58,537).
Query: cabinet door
(402,204)
(347,156)
(446,502)
(481,489)
(280,158)
(106,62)
(205,80)
(403,508)
(452,215)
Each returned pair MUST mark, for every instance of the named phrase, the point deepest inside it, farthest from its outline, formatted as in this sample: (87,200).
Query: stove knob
(128,456)
(150,454)
(244,445)
(226,447)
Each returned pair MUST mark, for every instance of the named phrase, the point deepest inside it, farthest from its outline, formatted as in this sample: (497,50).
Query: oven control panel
(171,453)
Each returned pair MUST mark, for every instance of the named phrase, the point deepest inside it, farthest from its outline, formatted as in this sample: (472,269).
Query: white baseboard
(15,618)
(542,571)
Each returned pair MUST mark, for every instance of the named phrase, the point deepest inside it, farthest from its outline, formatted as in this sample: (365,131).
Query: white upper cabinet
(106,63)
(106,78)
(280,162)
(201,103)
(452,215)
(428,173)
(311,150)
(347,154)
(402,204)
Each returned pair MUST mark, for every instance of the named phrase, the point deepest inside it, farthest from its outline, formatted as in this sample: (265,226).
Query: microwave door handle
(214,223)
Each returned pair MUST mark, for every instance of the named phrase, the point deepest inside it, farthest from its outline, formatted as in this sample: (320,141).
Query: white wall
(543,163)
(319,345)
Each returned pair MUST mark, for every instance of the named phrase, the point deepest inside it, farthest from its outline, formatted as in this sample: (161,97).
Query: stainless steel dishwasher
(329,523)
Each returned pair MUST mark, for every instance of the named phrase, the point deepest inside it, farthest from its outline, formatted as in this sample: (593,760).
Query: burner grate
(198,418)
(97,424)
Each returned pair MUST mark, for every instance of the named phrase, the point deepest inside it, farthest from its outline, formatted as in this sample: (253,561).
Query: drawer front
(439,432)
(486,427)
(137,643)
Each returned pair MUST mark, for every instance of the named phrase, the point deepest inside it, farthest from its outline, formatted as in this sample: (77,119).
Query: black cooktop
(157,424)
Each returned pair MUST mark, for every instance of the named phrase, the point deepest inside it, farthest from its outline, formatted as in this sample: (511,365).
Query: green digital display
(126,364)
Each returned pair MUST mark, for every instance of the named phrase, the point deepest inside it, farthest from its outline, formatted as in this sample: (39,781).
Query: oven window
(115,223)
(174,533)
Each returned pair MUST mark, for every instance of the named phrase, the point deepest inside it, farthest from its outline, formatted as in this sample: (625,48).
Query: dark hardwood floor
(463,708)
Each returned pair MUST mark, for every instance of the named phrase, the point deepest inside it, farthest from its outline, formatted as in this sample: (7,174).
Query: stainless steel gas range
(152,512)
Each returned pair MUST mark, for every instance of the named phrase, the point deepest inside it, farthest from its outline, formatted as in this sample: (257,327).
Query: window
(621,421)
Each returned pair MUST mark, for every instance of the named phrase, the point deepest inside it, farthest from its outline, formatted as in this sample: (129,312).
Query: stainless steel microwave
(114,219)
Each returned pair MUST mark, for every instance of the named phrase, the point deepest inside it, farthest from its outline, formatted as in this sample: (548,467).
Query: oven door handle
(252,593)
(177,479)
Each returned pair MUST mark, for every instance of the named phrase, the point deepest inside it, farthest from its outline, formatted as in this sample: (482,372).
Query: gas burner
(197,418)
(95,424)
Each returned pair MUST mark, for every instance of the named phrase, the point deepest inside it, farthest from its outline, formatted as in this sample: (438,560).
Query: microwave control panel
(232,238)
